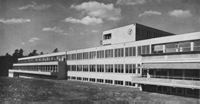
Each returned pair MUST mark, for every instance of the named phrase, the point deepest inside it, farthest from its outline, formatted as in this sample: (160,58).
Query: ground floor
(103,81)
(183,74)
(188,92)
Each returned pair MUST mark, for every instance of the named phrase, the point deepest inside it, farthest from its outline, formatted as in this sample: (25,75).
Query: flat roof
(45,55)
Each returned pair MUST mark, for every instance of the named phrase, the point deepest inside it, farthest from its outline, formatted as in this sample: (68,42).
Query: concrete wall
(103,75)
(120,35)
(61,70)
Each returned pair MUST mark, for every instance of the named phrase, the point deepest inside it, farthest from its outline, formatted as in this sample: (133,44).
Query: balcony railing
(37,70)
(194,84)
(171,77)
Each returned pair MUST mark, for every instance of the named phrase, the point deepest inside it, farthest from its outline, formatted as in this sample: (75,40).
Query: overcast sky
(73,24)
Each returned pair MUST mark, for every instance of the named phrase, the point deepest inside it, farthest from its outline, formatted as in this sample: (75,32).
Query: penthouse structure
(141,57)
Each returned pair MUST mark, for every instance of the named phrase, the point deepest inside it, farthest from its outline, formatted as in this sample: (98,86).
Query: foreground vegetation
(40,91)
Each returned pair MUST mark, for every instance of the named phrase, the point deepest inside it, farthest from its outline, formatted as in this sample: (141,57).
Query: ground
(40,91)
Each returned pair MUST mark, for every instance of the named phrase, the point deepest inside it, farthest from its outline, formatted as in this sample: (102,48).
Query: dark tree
(55,50)
(20,54)
(7,55)
(33,53)
(41,53)
(15,54)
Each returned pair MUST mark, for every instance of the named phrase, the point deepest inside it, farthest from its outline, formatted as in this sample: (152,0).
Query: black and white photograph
(99,51)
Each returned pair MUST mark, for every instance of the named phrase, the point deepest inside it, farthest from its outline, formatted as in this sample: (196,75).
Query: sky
(75,24)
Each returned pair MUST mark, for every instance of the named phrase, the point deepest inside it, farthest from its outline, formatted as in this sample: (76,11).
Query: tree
(55,50)
(33,53)
(41,53)
(15,54)
(20,54)
(7,55)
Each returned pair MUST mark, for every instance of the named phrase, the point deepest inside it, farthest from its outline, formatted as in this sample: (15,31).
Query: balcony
(194,84)
(172,58)
(36,63)
(33,72)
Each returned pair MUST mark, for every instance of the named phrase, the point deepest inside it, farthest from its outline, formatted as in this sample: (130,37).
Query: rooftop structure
(131,33)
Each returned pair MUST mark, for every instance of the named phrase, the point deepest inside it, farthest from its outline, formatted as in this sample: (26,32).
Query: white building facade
(47,66)
(141,57)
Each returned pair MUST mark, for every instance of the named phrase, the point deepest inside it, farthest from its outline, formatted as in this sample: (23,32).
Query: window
(145,49)
(109,68)
(92,54)
(184,47)
(100,68)
(118,82)
(109,81)
(85,79)
(69,77)
(73,77)
(73,68)
(119,52)
(73,56)
(79,67)
(79,78)
(100,80)
(130,51)
(119,68)
(60,58)
(69,67)
(139,49)
(100,54)
(92,79)
(158,49)
(171,47)
(92,68)
(138,68)
(108,53)
(197,45)
(107,36)
(85,55)
(79,56)
(128,83)
(85,67)
(130,68)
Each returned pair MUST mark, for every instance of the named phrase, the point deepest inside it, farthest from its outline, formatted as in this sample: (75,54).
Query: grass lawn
(46,91)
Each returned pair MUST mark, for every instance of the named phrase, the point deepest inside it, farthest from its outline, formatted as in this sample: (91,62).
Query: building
(48,66)
(141,57)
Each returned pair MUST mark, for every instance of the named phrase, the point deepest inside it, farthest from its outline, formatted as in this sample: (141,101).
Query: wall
(145,32)
(61,70)
(120,35)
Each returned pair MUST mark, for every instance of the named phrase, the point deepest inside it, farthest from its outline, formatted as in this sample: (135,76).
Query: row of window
(44,59)
(104,81)
(176,47)
(141,50)
(124,52)
(116,68)
(43,68)
(119,52)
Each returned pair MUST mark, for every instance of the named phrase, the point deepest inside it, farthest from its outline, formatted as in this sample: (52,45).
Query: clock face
(130,31)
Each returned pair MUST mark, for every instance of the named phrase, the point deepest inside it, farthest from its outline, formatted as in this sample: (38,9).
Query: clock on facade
(130,31)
